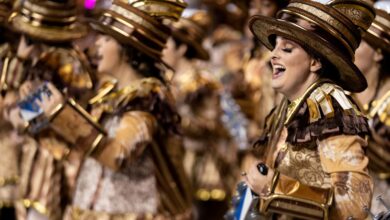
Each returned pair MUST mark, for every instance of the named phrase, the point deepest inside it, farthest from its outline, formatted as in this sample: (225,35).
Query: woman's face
(263,7)
(109,53)
(366,57)
(292,67)
(172,54)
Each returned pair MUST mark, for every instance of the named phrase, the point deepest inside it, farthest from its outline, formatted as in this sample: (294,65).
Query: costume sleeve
(127,139)
(343,158)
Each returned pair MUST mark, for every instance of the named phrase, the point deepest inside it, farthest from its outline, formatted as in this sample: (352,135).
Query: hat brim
(201,53)
(127,41)
(376,42)
(48,34)
(265,28)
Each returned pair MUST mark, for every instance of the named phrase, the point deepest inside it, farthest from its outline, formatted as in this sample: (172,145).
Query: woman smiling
(312,149)
(137,172)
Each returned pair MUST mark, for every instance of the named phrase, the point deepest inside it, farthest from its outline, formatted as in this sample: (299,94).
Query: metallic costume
(326,154)
(133,173)
(45,185)
(377,110)
(210,151)
(137,171)
(316,143)
(9,140)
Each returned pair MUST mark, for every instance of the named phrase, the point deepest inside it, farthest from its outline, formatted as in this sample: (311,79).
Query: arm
(127,139)
(344,159)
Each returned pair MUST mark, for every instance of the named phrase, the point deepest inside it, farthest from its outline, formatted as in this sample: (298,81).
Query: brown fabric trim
(303,133)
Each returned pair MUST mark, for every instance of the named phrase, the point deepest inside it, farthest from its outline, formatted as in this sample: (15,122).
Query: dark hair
(385,64)
(281,3)
(190,52)
(144,64)
(328,70)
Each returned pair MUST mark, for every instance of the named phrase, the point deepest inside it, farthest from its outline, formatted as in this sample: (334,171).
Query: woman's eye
(288,50)
(266,3)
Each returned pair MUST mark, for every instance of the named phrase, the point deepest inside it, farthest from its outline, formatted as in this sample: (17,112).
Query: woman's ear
(125,53)
(378,56)
(182,49)
(315,65)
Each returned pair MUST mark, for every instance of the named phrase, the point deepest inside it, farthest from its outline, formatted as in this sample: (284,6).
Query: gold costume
(318,141)
(138,172)
(46,180)
(377,106)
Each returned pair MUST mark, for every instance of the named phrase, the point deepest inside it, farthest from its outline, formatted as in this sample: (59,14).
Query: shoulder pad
(71,65)
(138,89)
(325,112)
(321,102)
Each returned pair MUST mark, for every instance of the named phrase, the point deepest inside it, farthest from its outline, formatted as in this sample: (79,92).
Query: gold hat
(360,12)
(323,30)
(133,27)
(192,30)
(378,35)
(170,9)
(49,20)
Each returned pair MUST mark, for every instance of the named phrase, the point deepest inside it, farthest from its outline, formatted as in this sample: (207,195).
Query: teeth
(279,67)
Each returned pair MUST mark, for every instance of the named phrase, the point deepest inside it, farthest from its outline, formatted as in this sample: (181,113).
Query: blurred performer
(373,59)
(249,62)
(266,7)
(137,171)
(9,146)
(210,155)
(45,59)
(233,13)
(314,162)
(210,152)
(257,71)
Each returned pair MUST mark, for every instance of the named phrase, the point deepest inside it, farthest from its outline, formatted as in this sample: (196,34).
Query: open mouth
(97,58)
(278,71)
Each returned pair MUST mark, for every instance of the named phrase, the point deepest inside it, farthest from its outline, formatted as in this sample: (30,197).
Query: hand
(258,182)
(11,114)
(14,117)
(24,50)
(25,89)
(49,103)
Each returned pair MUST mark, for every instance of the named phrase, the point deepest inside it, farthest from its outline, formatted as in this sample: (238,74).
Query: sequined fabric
(337,161)
(132,174)
(133,190)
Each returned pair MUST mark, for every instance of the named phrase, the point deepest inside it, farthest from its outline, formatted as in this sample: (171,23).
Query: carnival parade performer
(137,171)
(314,142)
(372,58)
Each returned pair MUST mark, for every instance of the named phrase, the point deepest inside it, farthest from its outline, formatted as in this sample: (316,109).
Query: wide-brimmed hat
(191,29)
(323,30)
(378,35)
(162,9)
(48,20)
(131,26)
